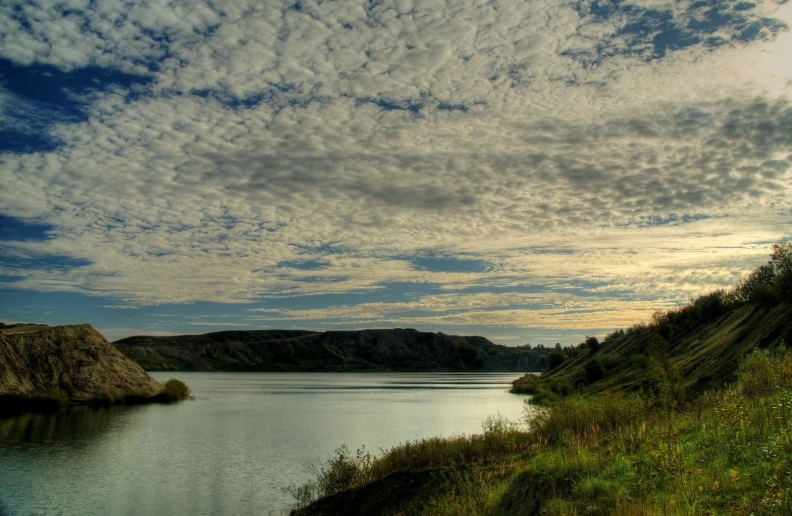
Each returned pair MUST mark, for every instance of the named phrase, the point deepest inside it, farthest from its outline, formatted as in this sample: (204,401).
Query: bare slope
(294,350)
(67,363)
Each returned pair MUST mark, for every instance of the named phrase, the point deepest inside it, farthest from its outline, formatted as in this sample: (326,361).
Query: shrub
(563,386)
(554,359)
(175,390)
(595,369)
(765,371)
(303,495)
(584,417)
(709,305)
(342,471)
(662,385)
(528,384)
(766,295)
(755,284)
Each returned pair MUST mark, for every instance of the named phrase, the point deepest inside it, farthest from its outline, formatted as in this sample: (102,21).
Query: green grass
(690,414)
(725,452)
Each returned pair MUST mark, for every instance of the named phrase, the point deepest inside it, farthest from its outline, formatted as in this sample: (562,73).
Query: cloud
(360,138)
(208,323)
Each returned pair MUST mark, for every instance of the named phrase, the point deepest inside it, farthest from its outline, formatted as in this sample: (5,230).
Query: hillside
(695,355)
(689,414)
(74,364)
(296,350)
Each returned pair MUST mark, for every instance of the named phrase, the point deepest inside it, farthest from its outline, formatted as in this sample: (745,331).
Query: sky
(530,171)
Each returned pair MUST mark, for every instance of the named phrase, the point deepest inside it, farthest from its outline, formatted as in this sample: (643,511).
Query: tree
(554,359)
(558,346)
(756,283)
(592,343)
(781,261)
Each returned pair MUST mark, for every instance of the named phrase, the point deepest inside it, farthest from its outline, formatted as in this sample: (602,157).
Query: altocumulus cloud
(619,155)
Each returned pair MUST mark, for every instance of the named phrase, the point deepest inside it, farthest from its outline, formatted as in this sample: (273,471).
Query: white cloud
(208,323)
(497,141)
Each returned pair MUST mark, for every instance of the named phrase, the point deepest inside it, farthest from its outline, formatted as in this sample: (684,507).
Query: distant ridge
(299,350)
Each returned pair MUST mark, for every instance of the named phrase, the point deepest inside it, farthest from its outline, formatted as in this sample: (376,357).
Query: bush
(756,284)
(709,306)
(662,385)
(528,384)
(595,370)
(554,359)
(342,471)
(764,371)
(584,417)
(175,390)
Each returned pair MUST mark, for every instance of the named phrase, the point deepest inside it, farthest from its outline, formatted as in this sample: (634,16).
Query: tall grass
(725,452)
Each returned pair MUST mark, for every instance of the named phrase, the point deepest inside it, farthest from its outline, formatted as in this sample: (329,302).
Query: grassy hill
(690,414)
(696,355)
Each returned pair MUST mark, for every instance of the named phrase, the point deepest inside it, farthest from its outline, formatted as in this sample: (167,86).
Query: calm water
(232,449)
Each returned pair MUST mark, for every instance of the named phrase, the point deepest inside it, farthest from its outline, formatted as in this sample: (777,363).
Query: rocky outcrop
(73,364)
(294,350)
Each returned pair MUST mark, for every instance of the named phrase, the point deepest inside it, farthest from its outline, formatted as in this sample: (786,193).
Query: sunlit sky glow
(524,170)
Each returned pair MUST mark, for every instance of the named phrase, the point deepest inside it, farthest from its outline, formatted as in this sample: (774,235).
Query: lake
(234,448)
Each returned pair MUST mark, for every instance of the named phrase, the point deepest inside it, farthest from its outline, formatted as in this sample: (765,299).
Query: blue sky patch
(44,262)
(17,229)
(661,32)
(386,104)
(44,96)
(306,265)
(447,264)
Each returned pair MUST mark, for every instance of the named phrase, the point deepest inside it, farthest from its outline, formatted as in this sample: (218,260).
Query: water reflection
(246,436)
(78,426)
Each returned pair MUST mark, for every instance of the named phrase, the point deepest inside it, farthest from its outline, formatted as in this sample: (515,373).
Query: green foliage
(765,371)
(528,384)
(343,471)
(781,260)
(658,450)
(595,370)
(554,359)
(579,418)
(175,390)
(755,285)
(662,385)
(726,452)
(709,306)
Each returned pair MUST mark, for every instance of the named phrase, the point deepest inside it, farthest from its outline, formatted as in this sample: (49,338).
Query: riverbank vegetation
(691,414)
